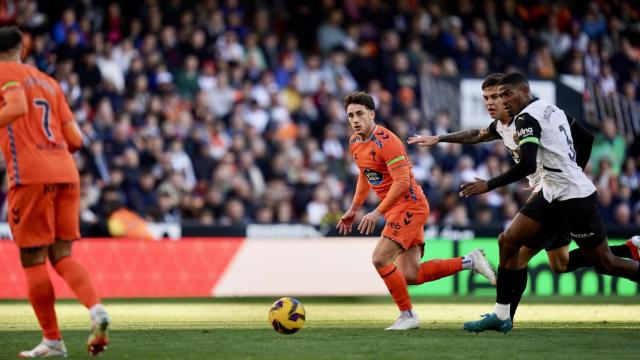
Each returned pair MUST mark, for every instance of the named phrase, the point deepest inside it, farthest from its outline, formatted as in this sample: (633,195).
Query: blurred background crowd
(230,112)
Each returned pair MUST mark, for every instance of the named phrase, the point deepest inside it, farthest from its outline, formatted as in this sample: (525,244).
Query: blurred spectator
(231,112)
(608,144)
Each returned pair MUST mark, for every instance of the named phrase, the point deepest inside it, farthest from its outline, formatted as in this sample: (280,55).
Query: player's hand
(474,188)
(369,222)
(423,140)
(346,221)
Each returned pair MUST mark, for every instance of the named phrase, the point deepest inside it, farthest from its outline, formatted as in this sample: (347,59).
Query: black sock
(577,259)
(518,289)
(506,281)
(622,251)
(637,276)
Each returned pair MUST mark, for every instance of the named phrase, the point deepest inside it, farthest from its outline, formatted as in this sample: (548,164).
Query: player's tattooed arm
(471,136)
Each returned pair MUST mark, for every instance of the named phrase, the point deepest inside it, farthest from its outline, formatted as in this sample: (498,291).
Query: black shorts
(552,235)
(582,221)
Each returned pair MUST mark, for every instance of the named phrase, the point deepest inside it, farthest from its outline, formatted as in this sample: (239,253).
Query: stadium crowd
(230,112)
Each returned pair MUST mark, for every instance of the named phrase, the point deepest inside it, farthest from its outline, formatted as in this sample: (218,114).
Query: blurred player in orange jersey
(37,134)
(385,168)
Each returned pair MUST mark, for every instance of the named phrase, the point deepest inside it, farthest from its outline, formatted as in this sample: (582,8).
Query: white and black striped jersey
(508,135)
(547,125)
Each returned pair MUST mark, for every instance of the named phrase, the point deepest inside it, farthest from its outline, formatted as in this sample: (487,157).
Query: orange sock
(435,269)
(78,280)
(42,299)
(397,285)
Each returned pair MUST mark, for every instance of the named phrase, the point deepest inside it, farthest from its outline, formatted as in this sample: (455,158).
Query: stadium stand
(230,112)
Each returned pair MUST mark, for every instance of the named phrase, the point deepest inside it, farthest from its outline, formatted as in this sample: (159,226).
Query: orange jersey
(377,157)
(34,147)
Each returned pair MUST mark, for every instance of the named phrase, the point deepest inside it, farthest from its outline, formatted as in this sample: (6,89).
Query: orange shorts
(405,223)
(39,214)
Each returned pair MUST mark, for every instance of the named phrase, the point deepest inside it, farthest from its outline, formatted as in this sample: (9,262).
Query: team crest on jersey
(374,177)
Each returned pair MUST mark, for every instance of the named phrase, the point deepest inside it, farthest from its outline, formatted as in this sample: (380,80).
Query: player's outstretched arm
(471,136)
(15,106)
(346,221)
(526,166)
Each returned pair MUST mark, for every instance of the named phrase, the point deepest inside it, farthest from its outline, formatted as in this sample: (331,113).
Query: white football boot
(406,321)
(99,335)
(482,266)
(47,348)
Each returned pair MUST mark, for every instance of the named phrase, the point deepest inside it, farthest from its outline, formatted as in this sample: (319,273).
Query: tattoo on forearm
(471,136)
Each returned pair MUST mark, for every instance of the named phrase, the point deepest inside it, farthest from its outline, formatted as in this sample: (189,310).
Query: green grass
(339,328)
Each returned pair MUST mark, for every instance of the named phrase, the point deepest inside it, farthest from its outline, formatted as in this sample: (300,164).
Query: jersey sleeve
(582,141)
(393,153)
(527,129)
(493,130)
(11,85)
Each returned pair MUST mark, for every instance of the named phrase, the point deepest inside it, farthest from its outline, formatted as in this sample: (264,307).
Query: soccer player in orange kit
(384,167)
(37,134)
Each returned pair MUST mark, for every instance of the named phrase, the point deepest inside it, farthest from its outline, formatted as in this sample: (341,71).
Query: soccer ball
(287,315)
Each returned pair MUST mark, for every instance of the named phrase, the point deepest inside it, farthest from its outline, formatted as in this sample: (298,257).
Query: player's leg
(520,284)
(587,229)
(67,206)
(384,254)
(31,222)
(402,234)
(417,273)
(576,258)
(519,231)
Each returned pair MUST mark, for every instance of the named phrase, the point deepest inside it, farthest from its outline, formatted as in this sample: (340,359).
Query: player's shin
(78,280)
(436,269)
(42,299)
(397,285)
(506,280)
(519,286)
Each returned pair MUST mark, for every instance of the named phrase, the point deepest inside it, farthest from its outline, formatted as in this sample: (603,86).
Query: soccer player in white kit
(543,135)
(552,239)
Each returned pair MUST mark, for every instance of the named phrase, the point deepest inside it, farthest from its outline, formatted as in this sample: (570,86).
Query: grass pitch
(339,328)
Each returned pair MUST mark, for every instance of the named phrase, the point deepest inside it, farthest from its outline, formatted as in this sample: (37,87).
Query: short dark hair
(514,78)
(10,38)
(492,80)
(360,98)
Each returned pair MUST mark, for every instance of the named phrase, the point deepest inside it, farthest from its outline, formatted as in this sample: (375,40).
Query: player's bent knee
(558,268)
(379,261)
(411,277)
(33,256)
(502,240)
(59,250)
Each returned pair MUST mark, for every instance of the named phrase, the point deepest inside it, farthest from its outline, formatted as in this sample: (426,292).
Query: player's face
(492,101)
(513,98)
(360,119)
